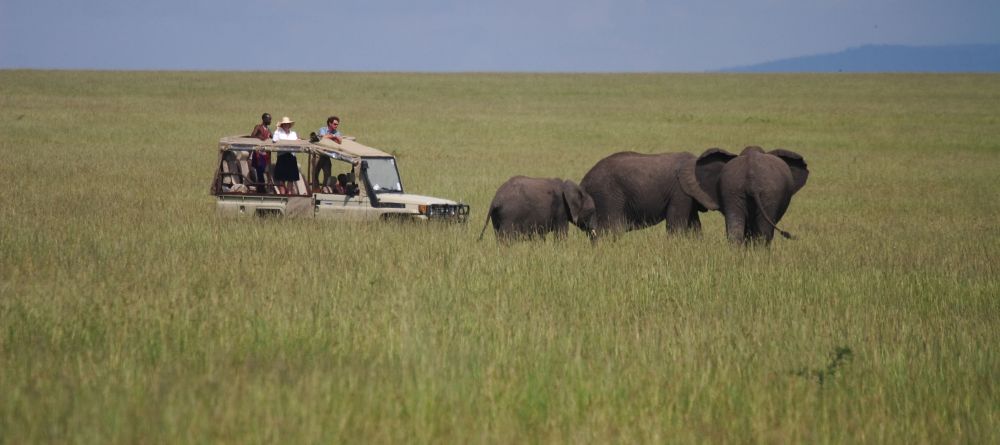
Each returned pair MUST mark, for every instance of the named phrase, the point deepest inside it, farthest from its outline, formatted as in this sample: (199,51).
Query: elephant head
(580,206)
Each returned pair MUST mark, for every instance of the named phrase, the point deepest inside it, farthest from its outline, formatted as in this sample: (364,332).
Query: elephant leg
(679,216)
(735,213)
(736,226)
(764,229)
(510,230)
(751,229)
(529,231)
(505,236)
(540,234)
(765,213)
(694,221)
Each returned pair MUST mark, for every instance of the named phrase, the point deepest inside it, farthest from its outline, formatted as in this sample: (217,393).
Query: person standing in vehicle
(284,131)
(260,158)
(261,131)
(287,168)
(331,132)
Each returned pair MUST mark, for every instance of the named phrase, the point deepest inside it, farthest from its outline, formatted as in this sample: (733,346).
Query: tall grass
(130,312)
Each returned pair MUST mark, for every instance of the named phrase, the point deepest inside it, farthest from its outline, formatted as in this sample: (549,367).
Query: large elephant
(634,191)
(753,190)
(532,207)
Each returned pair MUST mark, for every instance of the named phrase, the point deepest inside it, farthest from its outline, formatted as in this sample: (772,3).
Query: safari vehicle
(374,189)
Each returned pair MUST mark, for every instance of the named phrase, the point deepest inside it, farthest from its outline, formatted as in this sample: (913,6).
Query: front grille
(449,212)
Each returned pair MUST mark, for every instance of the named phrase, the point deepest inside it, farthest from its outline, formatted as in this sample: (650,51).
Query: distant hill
(889,58)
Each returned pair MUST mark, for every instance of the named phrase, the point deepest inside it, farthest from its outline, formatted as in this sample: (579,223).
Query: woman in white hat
(287,168)
(284,131)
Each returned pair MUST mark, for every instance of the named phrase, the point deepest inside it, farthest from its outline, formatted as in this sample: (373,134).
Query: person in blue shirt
(330,131)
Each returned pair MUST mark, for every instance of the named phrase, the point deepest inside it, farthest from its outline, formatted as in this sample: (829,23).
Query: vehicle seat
(230,170)
(247,174)
(243,162)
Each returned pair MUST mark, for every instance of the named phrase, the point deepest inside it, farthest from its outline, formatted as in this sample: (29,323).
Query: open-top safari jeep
(373,190)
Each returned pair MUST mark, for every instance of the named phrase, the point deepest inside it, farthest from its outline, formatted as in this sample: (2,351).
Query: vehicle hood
(406,198)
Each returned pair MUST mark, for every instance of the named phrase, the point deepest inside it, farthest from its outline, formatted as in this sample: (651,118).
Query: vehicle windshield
(383,175)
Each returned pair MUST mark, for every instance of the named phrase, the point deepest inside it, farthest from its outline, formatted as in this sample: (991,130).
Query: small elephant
(634,191)
(528,207)
(753,190)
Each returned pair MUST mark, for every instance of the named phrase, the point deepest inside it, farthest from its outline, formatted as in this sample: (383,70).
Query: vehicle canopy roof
(351,150)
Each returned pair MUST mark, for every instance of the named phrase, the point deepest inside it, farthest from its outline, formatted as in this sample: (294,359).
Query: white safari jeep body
(374,190)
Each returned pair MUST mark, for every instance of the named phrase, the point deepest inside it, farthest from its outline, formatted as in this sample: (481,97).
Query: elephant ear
(707,169)
(800,172)
(573,196)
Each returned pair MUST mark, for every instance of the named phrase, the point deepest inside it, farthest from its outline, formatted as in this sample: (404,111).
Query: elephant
(753,190)
(634,190)
(525,208)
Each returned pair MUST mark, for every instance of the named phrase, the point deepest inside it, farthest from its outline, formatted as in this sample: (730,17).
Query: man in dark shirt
(260,159)
(261,131)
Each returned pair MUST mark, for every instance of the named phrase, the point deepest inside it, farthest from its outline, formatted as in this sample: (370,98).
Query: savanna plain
(131,313)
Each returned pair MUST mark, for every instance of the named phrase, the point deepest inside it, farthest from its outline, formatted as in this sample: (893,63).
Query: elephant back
(629,172)
(765,173)
(633,189)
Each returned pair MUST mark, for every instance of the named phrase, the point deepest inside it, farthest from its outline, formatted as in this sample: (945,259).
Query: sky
(469,35)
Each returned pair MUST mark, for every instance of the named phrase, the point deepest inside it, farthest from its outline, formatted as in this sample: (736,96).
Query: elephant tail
(489,214)
(760,208)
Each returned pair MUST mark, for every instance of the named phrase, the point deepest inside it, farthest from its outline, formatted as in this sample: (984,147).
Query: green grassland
(130,312)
